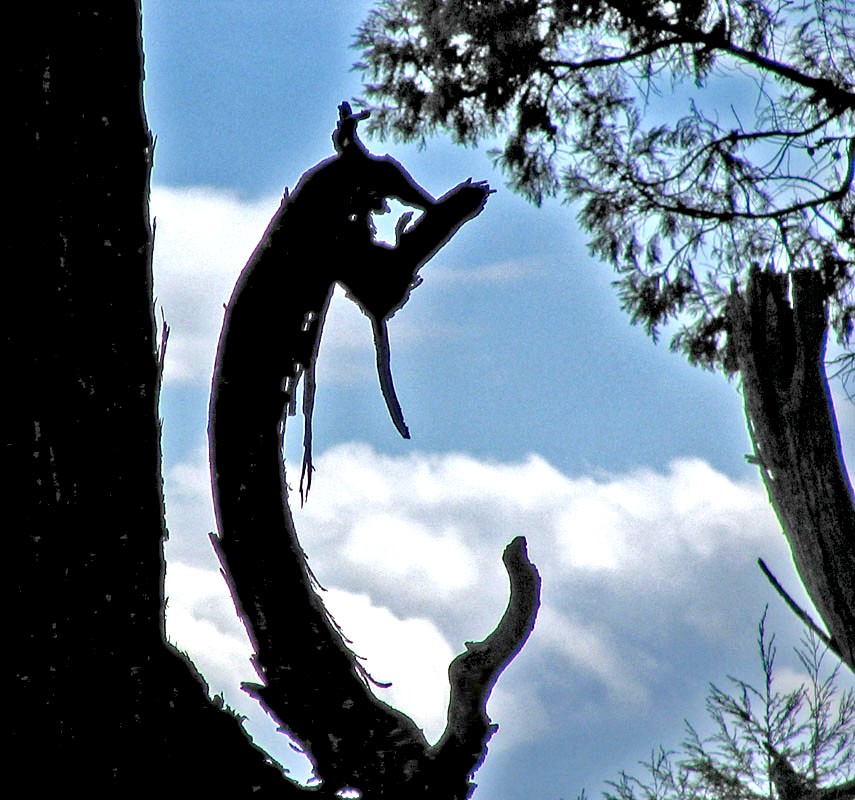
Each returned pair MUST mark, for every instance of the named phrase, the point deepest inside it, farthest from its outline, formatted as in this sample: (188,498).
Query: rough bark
(777,334)
(99,702)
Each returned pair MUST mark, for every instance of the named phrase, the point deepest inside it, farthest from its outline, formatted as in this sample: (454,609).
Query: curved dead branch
(472,675)
(309,680)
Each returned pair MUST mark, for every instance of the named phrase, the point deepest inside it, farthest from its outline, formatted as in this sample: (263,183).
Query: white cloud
(592,651)
(641,525)
(205,624)
(203,238)
(498,272)
(405,549)
(415,665)
(521,714)
(410,550)
(687,513)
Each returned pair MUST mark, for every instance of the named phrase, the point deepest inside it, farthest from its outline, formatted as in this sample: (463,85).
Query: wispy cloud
(498,272)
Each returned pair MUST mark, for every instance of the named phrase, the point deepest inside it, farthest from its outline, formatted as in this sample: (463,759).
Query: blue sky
(535,409)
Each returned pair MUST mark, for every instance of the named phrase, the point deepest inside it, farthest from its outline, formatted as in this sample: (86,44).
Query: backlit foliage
(812,727)
(701,138)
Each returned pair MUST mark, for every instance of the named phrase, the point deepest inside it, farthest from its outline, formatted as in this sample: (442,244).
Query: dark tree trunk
(99,702)
(779,348)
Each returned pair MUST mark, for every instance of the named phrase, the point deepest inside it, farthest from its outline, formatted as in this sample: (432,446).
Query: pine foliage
(701,138)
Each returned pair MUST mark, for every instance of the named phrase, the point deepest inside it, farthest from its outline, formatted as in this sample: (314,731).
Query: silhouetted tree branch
(309,679)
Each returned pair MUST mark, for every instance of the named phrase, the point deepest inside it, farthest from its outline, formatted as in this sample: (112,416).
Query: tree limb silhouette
(310,681)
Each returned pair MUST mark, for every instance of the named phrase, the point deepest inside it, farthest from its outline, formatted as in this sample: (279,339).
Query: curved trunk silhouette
(310,681)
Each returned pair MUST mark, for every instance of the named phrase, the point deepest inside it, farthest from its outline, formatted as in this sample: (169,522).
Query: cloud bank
(409,550)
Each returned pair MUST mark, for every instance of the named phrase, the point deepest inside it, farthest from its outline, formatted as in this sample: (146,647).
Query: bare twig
(798,610)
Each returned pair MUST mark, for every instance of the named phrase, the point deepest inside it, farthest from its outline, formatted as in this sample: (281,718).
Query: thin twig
(799,611)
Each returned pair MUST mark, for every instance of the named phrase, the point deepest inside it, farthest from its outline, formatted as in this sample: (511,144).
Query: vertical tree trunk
(99,702)
(87,458)
(780,349)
